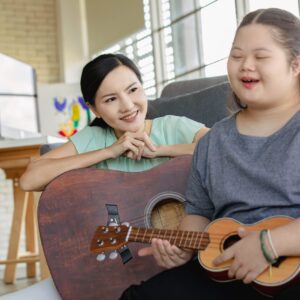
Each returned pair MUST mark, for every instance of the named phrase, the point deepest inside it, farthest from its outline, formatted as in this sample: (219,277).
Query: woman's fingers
(142,136)
(132,148)
(136,145)
(149,143)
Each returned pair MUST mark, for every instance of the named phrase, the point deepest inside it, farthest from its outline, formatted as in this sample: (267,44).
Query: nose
(248,64)
(126,103)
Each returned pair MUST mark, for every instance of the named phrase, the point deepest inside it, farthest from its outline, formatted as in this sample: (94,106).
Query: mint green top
(167,130)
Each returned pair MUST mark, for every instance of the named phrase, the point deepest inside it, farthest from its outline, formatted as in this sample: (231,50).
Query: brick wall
(28,32)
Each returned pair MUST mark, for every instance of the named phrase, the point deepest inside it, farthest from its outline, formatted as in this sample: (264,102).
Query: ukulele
(218,236)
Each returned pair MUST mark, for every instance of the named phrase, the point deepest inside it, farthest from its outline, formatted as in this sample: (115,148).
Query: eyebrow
(256,49)
(127,88)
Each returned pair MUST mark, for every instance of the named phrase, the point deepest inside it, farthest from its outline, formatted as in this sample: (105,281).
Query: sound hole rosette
(164,210)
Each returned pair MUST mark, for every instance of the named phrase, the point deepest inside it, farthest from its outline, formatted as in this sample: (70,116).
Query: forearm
(40,172)
(194,223)
(175,150)
(286,239)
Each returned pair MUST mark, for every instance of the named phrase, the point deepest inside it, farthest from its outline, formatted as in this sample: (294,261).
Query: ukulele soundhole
(165,211)
(279,261)
(230,240)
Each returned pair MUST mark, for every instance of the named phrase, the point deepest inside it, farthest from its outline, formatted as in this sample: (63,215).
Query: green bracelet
(264,249)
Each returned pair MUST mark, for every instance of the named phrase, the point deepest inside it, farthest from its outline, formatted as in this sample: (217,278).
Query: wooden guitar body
(73,205)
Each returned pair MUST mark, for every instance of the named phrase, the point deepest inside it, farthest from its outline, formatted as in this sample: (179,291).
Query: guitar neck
(184,239)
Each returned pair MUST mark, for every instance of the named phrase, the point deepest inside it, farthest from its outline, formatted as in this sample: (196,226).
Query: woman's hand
(132,145)
(165,254)
(248,260)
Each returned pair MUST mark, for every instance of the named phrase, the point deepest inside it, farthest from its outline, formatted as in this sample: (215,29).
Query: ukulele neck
(193,240)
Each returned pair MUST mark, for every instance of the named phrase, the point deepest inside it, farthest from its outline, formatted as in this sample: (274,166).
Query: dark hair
(94,73)
(286,31)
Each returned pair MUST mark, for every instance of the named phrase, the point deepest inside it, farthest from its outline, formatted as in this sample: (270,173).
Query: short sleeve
(83,139)
(180,130)
(198,201)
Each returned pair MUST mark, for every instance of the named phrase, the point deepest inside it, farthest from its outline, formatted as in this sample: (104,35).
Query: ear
(92,108)
(296,65)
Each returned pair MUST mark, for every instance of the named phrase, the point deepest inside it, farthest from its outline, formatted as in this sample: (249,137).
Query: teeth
(130,116)
(250,80)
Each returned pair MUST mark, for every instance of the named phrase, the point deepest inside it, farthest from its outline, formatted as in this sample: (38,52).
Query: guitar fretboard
(185,239)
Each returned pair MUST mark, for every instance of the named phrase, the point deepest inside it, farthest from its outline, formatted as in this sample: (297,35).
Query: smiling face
(259,69)
(121,101)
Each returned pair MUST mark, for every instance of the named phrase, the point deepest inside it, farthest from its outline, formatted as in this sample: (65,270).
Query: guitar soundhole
(165,210)
(229,241)
(167,214)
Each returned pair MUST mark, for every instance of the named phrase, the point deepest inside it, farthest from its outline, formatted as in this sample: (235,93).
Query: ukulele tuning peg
(113,224)
(113,255)
(125,224)
(101,257)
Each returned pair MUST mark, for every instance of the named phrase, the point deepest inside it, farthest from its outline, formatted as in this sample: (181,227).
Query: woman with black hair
(120,138)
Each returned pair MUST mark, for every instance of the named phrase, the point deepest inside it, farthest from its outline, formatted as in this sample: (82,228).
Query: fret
(172,241)
(187,239)
(185,234)
(196,241)
(164,235)
(192,240)
(201,239)
(175,242)
(182,236)
(158,234)
(137,234)
(151,236)
(145,231)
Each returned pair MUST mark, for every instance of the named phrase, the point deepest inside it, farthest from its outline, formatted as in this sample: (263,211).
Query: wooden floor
(20,283)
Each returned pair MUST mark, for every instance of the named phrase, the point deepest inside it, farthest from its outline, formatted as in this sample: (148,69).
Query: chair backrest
(207,106)
(177,88)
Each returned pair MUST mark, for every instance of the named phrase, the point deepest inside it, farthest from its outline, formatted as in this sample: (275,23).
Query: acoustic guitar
(74,204)
(218,236)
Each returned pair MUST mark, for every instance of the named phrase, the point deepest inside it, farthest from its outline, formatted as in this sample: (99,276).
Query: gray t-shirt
(245,177)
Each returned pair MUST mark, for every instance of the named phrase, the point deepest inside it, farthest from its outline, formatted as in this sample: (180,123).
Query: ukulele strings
(212,239)
(212,242)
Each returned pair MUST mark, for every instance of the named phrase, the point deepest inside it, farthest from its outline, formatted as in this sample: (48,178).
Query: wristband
(264,249)
(271,244)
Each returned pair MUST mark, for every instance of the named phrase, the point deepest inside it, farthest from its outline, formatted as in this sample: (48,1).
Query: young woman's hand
(248,260)
(145,149)
(132,144)
(165,254)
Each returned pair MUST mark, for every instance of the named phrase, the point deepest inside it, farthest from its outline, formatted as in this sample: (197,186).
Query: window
(139,48)
(186,39)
